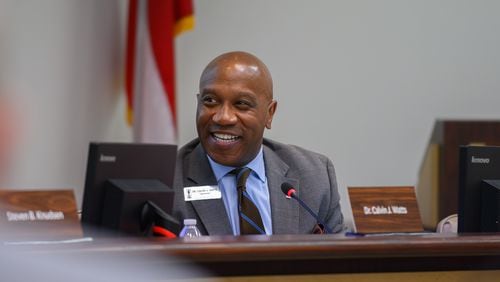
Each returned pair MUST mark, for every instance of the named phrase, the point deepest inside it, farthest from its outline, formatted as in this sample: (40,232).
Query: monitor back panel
(123,161)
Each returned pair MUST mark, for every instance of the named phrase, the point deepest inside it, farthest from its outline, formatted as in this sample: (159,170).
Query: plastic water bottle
(190,230)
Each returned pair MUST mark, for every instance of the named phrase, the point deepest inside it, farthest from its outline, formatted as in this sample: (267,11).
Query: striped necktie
(250,219)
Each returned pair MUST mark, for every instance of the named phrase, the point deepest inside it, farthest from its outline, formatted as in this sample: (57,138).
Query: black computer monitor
(121,178)
(479,173)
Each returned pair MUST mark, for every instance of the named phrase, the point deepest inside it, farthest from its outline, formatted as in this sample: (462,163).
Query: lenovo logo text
(475,160)
(107,159)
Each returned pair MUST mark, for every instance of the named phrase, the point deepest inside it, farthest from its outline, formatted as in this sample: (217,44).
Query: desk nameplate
(38,214)
(385,209)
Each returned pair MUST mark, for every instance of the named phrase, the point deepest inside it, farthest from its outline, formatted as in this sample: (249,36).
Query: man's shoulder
(286,152)
(188,148)
(293,153)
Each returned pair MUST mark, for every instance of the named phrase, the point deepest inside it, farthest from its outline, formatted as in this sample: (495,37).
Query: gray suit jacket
(311,174)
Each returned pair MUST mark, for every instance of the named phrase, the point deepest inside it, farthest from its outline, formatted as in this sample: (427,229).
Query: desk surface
(306,254)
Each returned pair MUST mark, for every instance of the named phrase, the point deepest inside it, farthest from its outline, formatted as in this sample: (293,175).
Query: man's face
(234,108)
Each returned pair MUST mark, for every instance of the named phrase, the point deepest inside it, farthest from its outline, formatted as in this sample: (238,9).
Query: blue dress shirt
(256,188)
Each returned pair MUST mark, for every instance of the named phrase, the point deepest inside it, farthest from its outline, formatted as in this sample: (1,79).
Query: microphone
(290,192)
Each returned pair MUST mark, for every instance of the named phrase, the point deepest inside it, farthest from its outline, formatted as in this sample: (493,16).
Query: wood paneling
(437,188)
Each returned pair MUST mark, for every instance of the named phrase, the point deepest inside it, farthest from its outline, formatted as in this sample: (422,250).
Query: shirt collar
(257,166)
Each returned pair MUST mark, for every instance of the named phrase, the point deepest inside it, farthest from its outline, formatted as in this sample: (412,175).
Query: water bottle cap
(189,221)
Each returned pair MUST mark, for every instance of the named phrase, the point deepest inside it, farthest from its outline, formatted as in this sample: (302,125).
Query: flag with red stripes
(150,66)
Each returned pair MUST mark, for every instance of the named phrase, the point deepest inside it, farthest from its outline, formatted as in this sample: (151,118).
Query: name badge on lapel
(196,193)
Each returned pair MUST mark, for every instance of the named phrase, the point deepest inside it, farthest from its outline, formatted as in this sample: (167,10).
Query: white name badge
(196,193)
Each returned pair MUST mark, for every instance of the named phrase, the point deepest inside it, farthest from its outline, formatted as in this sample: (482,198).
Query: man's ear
(270,113)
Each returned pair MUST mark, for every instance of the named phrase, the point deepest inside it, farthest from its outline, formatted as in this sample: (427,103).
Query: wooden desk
(306,254)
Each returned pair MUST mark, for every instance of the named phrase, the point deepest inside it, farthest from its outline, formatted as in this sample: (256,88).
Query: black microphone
(289,191)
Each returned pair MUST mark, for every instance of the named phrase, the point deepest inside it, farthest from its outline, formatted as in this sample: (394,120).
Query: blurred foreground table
(300,254)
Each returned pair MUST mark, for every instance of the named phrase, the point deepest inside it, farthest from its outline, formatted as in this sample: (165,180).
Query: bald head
(239,64)
(235,106)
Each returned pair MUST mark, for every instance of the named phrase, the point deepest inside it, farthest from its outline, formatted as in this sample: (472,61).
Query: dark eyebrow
(248,95)
(206,91)
(241,94)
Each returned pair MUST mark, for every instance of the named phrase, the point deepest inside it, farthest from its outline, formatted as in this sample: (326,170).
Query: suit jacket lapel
(284,212)
(211,212)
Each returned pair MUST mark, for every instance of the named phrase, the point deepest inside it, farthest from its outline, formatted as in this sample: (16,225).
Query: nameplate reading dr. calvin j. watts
(385,209)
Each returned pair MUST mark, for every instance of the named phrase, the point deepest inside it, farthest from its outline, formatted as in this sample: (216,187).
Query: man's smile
(225,138)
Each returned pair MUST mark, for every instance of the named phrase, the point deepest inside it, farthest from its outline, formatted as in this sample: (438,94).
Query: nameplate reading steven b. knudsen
(38,215)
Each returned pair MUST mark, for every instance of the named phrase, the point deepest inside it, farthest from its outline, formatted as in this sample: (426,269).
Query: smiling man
(233,175)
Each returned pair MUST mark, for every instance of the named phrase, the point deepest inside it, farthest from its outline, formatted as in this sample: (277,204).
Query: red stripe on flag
(183,8)
(161,27)
(130,58)
(164,19)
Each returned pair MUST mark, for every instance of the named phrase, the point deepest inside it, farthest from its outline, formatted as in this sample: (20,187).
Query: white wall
(63,70)
(360,81)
